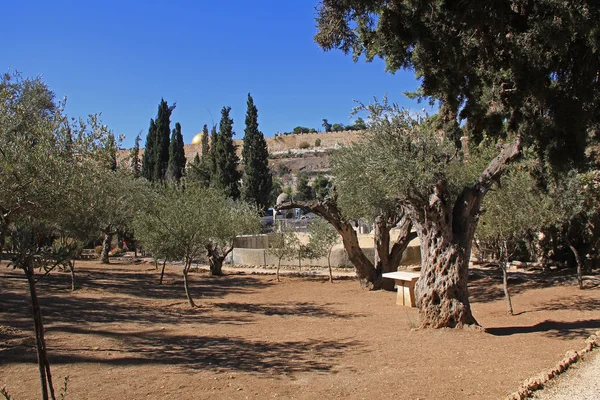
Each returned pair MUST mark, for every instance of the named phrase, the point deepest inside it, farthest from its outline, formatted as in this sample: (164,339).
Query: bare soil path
(123,336)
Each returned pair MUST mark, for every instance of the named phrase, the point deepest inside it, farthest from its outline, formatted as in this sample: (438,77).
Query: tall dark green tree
(176,155)
(257,179)
(212,155)
(134,158)
(163,140)
(226,176)
(204,145)
(149,158)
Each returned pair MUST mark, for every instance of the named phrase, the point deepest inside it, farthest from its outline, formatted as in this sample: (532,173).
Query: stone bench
(405,282)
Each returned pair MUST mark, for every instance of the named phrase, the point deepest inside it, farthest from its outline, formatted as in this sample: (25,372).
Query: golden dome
(198,138)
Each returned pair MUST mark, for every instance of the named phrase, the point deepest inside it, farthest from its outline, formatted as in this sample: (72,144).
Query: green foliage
(198,171)
(535,65)
(318,142)
(225,175)
(304,145)
(321,187)
(163,135)
(283,244)
(300,129)
(180,221)
(399,160)
(322,238)
(177,159)
(66,248)
(134,158)
(359,125)
(258,182)
(513,211)
(149,158)
(48,162)
(326,125)
(337,127)
(303,191)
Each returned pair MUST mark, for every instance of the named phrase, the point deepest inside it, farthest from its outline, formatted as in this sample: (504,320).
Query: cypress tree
(148,160)
(176,155)
(226,175)
(163,140)
(258,182)
(212,155)
(204,145)
(134,156)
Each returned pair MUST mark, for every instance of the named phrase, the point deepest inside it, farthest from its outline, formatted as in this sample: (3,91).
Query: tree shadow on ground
(304,309)
(106,297)
(219,354)
(485,284)
(145,284)
(578,303)
(550,328)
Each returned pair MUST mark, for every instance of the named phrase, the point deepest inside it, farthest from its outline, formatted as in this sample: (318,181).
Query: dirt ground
(121,335)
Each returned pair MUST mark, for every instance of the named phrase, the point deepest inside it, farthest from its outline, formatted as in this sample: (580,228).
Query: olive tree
(43,157)
(322,238)
(511,211)
(283,245)
(189,219)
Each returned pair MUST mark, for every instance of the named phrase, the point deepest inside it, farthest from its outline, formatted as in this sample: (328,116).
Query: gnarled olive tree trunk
(446,232)
(387,259)
(215,259)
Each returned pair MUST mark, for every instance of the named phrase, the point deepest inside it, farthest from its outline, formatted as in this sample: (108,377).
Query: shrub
(98,250)
(317,142)
(304,145)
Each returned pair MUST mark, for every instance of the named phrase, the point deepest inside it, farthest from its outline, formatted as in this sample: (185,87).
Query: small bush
(317,142)
(304,145)
(98,250)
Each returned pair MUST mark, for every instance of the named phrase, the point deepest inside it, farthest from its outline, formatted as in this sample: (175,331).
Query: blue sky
(118,58)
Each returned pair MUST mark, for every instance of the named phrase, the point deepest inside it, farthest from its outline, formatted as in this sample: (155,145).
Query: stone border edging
(540,380)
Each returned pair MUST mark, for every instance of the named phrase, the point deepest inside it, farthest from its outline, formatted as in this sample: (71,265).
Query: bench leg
(406,294)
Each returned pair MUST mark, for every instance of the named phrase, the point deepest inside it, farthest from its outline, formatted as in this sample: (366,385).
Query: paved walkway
(580,382)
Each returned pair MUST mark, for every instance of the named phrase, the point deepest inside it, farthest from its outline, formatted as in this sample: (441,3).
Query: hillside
(286,153)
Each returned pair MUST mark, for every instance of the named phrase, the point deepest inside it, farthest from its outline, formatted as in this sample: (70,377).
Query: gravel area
(580,382)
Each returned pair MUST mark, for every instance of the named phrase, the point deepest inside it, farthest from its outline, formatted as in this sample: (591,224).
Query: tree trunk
(215,260)
(3,230)
(72,268)
(579,263)
(441,292)
(106,248)
(329,265)
(40,342)
(509,307)
(186,269)
(162,272)
(119,240)
(388,259)
(278,266)
(381,240)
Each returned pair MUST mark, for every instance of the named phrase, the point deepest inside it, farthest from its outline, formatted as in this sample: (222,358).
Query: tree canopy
(533,65)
